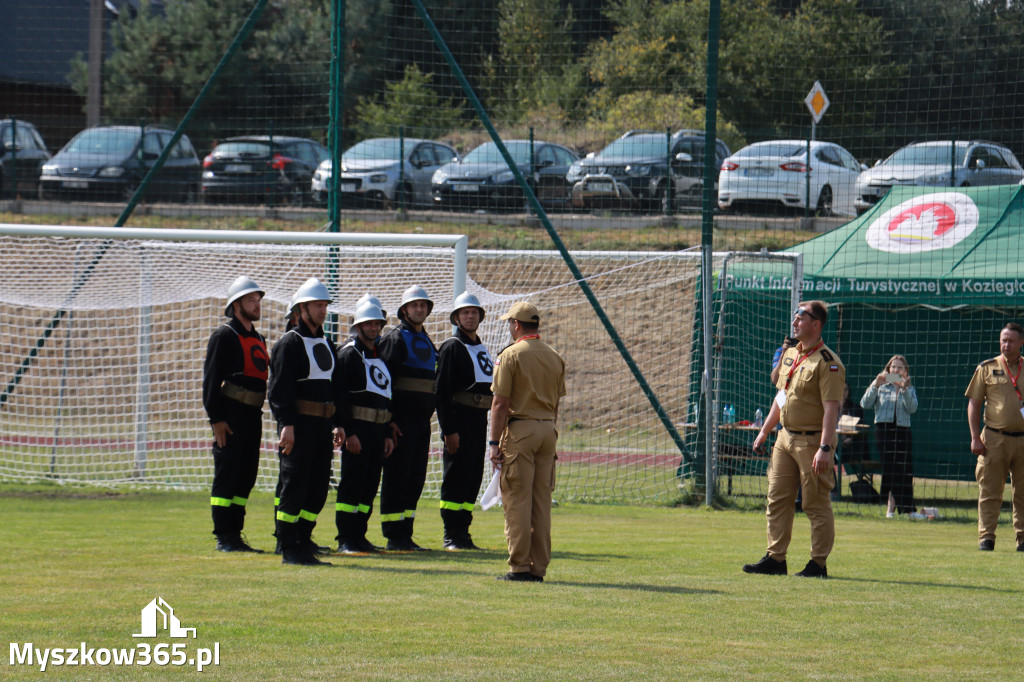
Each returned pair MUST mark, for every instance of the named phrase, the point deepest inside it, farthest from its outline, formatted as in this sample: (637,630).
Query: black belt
(802,433)
(1011,434)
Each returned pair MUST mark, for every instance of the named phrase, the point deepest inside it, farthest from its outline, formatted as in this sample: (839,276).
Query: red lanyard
(800,361)
(528,336)
(1020,364)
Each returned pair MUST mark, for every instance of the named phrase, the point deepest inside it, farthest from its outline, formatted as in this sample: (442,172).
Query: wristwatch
(492,442)
(826,447)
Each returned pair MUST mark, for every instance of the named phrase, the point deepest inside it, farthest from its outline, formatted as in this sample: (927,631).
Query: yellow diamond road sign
(817,102)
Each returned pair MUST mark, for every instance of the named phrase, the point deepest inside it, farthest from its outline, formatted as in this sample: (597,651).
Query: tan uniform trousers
(527,479)
(788,471)
(1004,456)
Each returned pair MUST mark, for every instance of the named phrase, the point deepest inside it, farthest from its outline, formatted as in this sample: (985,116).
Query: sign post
(817,103)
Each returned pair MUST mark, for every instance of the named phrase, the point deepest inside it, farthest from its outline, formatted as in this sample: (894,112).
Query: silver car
(969,163)
(374,172)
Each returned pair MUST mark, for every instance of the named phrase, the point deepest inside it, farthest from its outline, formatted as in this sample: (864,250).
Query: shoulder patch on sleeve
(826,356)
(833,368)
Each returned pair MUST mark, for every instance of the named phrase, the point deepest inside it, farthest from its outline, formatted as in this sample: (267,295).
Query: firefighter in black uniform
(366,419)
(234,389)
(464,374)
(412,361)
(304,396)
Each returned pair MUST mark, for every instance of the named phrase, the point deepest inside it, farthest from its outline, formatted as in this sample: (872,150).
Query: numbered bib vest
(321,360)
(255,359)
(421,354)
(378,379)
(483,365)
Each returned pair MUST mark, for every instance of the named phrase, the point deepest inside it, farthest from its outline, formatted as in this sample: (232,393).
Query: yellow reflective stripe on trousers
(348,508)
(240,501)
(384,518)
(307,515)
(468,506)
(277,501)
(364,508)
(220,502)
(410,513)
(451,506)
(287,518)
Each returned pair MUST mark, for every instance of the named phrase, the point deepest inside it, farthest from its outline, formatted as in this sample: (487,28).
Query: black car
(483,180)
(109,162)
(632,171)
(262,169)
(22,155)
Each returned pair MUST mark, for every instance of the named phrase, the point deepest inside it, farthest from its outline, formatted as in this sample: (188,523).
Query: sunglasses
(801,311)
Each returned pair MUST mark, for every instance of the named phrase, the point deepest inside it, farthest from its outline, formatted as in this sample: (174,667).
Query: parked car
(632,171)
(375,172)
(482,179)
(261,169)
(971,163)
(775,173)
(109,162)
(22,155)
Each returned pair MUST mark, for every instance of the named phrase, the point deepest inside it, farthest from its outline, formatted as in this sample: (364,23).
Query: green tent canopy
(919,245)
(929,273)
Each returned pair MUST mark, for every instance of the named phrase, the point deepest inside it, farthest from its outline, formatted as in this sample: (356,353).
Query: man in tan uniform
(1000,448)
(810,387)
(529,380)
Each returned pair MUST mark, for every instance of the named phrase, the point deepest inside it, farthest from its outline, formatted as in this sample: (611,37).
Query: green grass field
(632,593)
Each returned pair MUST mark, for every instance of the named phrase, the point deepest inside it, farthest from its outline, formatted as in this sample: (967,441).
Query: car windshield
(105,141)
(488,153)
(387,149)
(783,149)
(243,148)
(927,155)
(636,146)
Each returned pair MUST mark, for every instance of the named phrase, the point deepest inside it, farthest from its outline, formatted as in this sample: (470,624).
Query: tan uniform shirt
(992,385)
(531,374)
(819,378)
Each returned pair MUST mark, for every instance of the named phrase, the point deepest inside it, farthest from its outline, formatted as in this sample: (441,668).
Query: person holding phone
(894,399)
(787,343)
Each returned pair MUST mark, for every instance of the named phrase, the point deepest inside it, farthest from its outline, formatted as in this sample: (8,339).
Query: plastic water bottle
(758,418)
(732,414)
(728,414)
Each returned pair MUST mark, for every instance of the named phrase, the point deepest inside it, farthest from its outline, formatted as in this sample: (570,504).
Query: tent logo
(925,223)
(151,620)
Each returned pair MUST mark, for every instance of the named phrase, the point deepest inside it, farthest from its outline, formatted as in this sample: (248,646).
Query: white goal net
(102,344)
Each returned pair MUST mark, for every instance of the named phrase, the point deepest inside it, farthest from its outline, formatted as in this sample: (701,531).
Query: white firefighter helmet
(414,293)
(372,299)
(311,290)
(466,300)
(366,312)
(239,288)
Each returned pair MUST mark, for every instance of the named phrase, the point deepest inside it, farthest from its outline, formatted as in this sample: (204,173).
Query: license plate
(601,187)
(756,172)
(465,188)
(347,187)
(238,168)
(76,184)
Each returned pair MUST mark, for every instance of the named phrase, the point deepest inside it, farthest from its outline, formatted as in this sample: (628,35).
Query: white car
(371,172)
(776,172)
(972,163)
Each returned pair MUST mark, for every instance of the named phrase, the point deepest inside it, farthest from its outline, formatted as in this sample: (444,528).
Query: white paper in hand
(492,495)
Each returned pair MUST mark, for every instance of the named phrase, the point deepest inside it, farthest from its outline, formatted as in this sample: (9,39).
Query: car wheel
(403,197)
(128,191)
(297,196)
(666,200)
(191,195)
(825,202)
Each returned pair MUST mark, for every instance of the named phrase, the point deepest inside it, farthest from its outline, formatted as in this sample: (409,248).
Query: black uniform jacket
(239,357)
